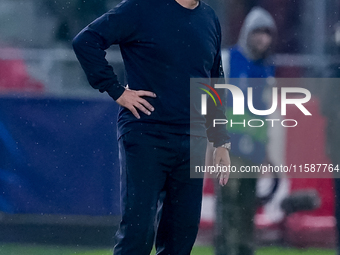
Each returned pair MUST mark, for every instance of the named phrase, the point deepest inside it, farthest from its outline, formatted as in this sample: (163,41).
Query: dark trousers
(155,177)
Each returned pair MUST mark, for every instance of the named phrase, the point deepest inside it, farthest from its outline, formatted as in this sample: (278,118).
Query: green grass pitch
(14,249)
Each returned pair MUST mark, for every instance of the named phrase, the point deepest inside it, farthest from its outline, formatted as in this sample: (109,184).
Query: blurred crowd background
(41,32)
(53,174)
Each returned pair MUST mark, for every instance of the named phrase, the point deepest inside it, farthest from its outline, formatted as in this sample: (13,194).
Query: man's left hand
(221,157)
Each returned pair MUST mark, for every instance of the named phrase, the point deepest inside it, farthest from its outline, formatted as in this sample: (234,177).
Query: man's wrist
(116,91)
(227,146)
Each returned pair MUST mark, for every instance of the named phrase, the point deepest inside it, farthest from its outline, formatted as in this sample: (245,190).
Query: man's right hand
(132,100)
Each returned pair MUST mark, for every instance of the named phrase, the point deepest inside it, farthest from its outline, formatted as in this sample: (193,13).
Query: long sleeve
(218,135)
(115,27)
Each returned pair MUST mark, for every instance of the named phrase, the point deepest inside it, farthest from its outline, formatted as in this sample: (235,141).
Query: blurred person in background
(236,203)
(163,44)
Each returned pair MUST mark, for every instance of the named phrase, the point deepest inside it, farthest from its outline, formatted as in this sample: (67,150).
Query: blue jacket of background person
(249,143)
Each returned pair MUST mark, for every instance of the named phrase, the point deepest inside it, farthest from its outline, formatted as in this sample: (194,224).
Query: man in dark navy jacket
(163,44)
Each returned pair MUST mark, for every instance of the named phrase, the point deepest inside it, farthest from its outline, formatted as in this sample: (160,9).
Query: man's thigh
(142,159)
(152,161)
(184,190)
(181,210)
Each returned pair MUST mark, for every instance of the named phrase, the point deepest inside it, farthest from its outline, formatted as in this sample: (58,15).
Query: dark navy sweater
(163,45)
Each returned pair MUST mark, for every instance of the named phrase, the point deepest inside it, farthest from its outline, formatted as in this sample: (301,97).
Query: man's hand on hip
(132,100)
(221,157)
